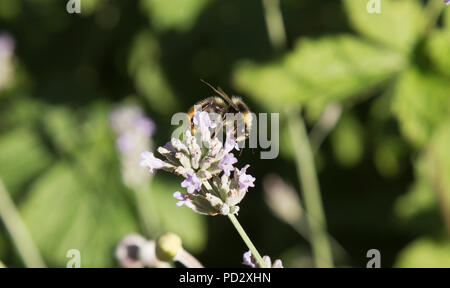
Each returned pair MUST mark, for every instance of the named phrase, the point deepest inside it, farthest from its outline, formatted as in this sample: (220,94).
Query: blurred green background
(384,168)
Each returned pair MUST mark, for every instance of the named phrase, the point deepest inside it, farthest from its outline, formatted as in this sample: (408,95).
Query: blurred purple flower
(6,63)
(447,2)
(145,126)
(133,130)
(124,143)
(6,45)
(131,118)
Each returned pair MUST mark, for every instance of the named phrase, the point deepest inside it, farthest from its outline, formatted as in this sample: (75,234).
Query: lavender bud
(167,247)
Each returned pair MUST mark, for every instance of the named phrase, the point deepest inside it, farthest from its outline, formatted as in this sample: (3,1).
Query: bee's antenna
(221,93)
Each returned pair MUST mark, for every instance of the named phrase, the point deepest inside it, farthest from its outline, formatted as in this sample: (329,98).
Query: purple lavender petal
(183,200)
(226,164)
(247,259)
(192,183)
(149,160)
(230,143)
(246,180)
(201,119)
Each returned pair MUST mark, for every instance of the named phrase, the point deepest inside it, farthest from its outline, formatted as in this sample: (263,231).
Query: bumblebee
(223,105)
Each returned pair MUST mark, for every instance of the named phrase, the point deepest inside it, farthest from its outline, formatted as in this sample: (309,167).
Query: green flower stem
(240,230)
(274,23)
(18,231)
(303,230)
(247,240)
(311,192)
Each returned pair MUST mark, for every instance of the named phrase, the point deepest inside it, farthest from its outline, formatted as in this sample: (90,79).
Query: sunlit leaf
(431,191)
(318,71)
(420,103)
(425,252)
(61,126)
(399,25)
(77,215)
(144,67)
(438,48)
(388,156)
(173,14)
(191,227)
(348,141)
(22,156)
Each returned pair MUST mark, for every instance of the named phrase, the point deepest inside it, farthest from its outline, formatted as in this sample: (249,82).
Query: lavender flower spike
(214,186)
(447,2)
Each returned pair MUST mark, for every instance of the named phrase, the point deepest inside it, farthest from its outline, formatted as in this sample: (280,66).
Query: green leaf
(399,25)
(81,200)
(173,14)
(431,190)
(61,126)
(447,18)
(184,222)
(420,103)
(149,79)
(348,141)
(425,253)
(9,9)
(438,49)
(389,153)
(317,72)
(89,218)
(419,200)
(22,157)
